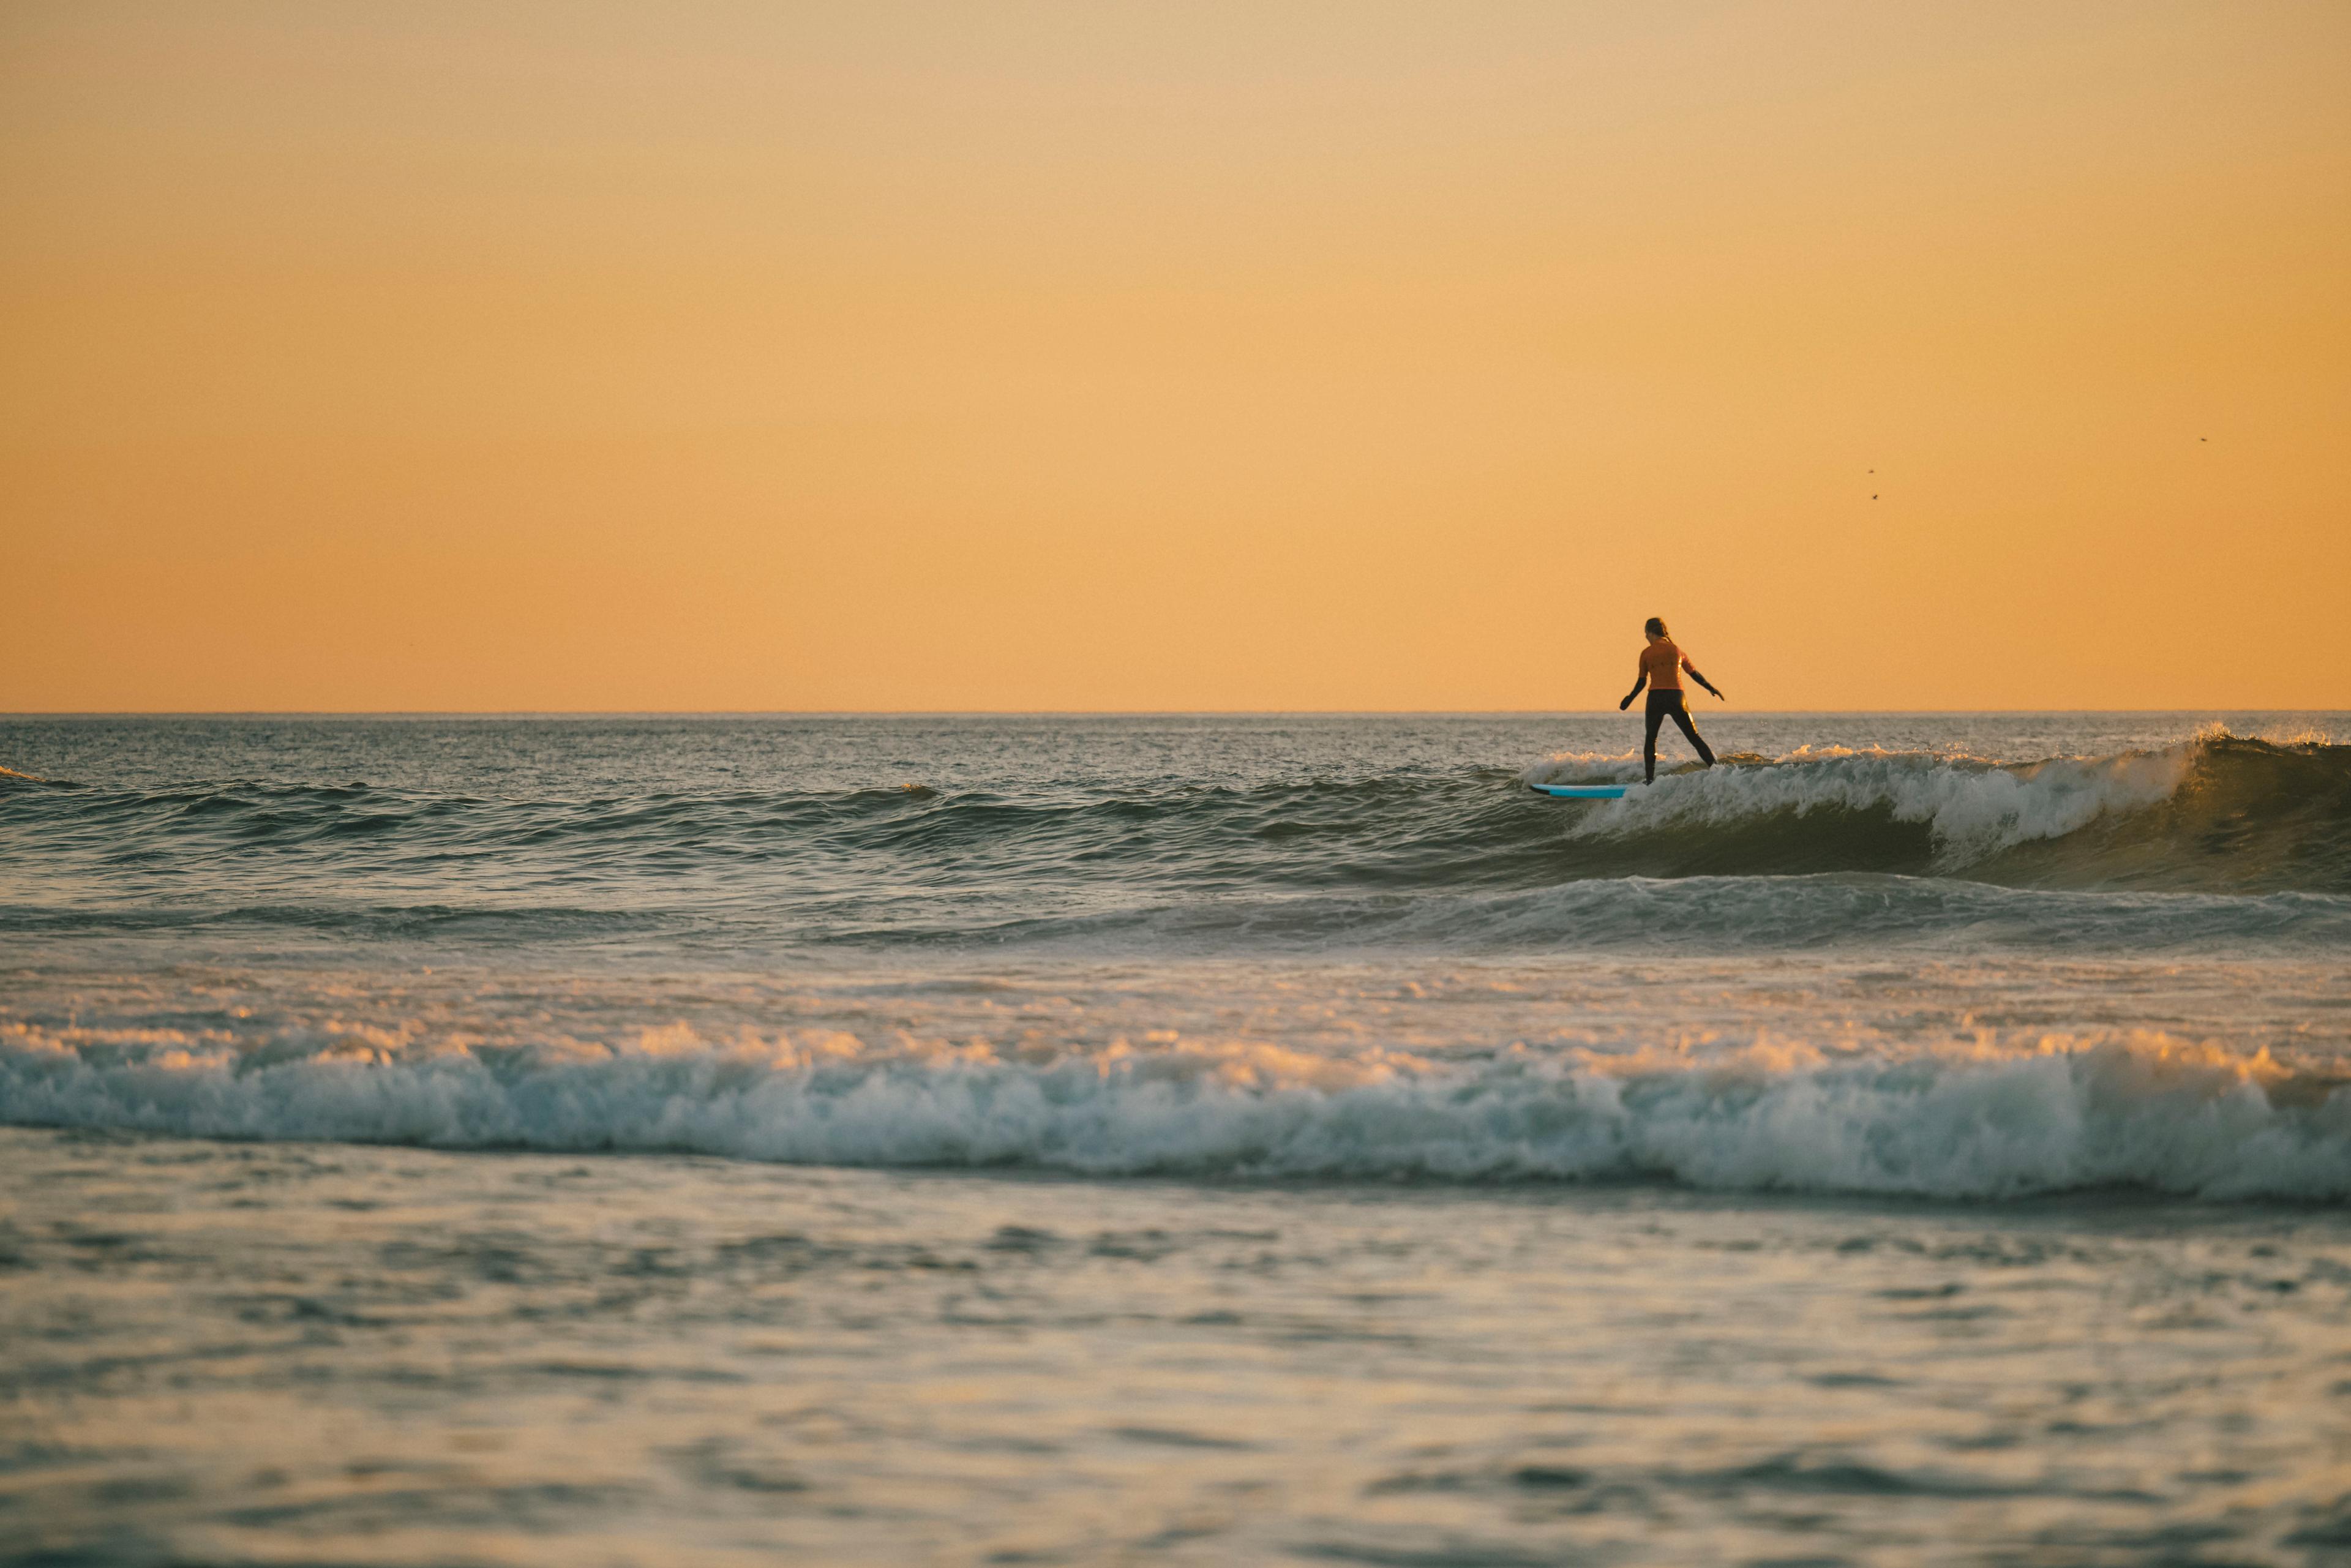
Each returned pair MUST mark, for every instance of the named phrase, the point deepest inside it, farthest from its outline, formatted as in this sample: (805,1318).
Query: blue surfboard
(1580,791)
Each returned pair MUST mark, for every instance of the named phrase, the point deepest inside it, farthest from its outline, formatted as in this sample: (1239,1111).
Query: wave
(2218,814)
(366,922)
(1981,1122)
(1708,914)
(1711,914)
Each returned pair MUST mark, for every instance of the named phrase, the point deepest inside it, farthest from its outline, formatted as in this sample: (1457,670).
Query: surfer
(1661,667)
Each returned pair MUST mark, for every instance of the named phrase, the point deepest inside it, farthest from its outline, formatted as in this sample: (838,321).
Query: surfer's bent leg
(1682,718)
(1655,716)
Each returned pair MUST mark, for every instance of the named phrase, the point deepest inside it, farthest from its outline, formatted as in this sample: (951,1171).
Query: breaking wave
(1988,1121)
(2218,813)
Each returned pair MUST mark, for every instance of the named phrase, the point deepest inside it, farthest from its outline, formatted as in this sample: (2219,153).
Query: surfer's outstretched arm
(1636,691)
(1701,680)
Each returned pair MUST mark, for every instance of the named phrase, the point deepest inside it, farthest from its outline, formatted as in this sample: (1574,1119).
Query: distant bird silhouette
(1872,497)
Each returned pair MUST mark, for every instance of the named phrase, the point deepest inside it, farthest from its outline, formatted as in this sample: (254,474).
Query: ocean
(1926,1139)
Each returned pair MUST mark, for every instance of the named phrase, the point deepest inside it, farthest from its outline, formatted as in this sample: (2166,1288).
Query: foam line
(1973,1122)
(1973,809)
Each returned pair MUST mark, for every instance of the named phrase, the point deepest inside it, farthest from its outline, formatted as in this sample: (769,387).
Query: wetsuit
(1661,705)
(1662,665)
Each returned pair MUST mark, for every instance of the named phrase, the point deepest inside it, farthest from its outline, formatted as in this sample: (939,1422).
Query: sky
(883,356)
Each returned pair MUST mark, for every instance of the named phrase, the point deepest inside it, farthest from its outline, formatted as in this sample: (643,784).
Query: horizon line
(1066,713)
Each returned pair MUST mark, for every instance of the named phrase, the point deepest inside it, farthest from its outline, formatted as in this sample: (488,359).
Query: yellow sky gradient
(883,356)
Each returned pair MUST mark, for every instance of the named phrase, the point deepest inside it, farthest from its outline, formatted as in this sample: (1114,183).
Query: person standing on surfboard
(1661,667)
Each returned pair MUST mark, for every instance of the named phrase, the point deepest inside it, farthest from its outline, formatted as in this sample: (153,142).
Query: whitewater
(1258,948)
(1935,1108)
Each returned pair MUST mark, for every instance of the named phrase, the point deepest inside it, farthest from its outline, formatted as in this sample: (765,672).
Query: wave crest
(2216,813)
(1986,1120)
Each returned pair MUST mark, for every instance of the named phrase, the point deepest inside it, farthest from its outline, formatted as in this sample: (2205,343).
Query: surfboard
(1580,791)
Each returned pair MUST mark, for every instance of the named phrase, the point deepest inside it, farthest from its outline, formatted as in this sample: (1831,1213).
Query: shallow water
(229,1353)
(1188,1139)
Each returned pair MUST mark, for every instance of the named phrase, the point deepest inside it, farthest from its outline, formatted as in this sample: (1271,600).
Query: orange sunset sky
(1195,356)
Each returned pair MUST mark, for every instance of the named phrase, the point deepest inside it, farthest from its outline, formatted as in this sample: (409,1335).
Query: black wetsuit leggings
(1662,703)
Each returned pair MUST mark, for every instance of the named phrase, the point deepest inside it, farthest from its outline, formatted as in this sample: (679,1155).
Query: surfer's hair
(1653,627)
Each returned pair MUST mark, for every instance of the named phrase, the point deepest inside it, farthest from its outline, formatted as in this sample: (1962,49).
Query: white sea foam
(1986,1120)
(1973,808)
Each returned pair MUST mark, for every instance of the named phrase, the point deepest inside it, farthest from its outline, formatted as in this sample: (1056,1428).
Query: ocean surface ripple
(1187,1140)
(1937,957)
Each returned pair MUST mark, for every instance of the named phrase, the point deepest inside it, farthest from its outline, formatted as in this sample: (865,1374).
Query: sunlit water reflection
(230,1352)
(1184,1140)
